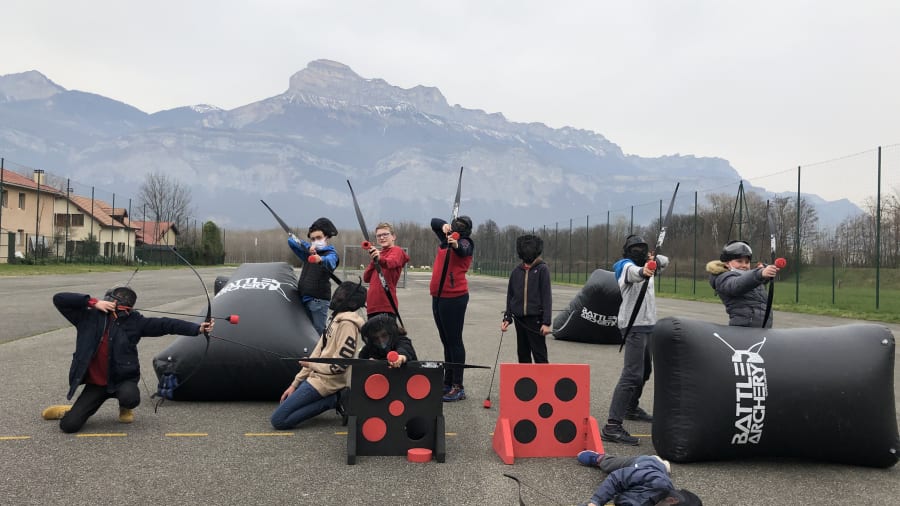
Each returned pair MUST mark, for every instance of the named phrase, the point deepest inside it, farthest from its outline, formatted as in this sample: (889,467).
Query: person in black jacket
(529,301)
(382,335)
(106,357)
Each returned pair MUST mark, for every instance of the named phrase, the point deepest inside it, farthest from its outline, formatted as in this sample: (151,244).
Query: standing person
(315,388)
(529,301)
(320,259)
(631,272)
(741,288)
(450,296)
(106,356)
(635,481)
(391,258)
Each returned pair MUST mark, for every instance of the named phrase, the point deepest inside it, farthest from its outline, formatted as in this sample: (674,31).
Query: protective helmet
(686,497)
(381,333)
(463,225)
(121,295)
(349,296)
(734,250)
(631,241)
(529,247)
(323,225)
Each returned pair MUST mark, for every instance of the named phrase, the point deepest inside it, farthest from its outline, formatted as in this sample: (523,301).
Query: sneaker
(456,393)
(617,434)
(664,462)
(638,414)
(589,458)
(126,415)
(447,389)
(55,412)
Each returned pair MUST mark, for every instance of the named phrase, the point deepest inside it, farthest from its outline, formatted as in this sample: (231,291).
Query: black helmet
(736,249)
(121,295)
(349,296)
(632,241)
(463,225)
(381,332)
(686,497)
(323,225)
(529,247)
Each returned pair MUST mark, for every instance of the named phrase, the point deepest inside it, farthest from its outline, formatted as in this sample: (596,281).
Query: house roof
(11,178)
(152,232)
(101,212)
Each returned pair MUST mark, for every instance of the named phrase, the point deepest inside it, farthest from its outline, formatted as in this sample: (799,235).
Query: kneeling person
(382,335)
(106,357)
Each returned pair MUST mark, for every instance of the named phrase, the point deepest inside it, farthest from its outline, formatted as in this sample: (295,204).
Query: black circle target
(525,431)
(565,431)
(525,389)
(545,410)
(565,389)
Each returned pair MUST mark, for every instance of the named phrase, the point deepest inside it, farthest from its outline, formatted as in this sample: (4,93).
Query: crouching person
(106,357)
(316,387)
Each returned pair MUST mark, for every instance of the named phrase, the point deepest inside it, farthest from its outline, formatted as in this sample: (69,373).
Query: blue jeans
(303,404)
(317,310)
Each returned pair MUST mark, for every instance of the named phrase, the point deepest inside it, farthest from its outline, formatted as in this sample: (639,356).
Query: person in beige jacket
(315,388)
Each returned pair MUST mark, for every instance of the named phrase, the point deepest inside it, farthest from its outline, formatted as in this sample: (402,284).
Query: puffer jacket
(742,292)
(644,483)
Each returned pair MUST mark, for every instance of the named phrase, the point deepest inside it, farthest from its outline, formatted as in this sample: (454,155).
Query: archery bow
(454,213)
(421,364)
(659,244)
(163,389)
(291,234)
(365,233)
(775,261)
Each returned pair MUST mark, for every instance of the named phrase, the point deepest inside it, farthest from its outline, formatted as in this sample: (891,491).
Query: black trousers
(90,400)
(449,317)
(530,342)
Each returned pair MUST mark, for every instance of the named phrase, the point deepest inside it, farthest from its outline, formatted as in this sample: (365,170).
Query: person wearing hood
(320,259)
(631,273)
(450,296)
(739,287)
(382,335)
(529,301)
(315,388)
(106,356)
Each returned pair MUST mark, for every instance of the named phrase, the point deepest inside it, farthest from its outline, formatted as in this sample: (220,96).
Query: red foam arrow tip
(233,319)
(455,236)
(781,263)
(651,264)
(366,245)
(392,356)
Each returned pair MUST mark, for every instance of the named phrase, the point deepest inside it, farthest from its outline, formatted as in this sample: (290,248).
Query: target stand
(391,411)
(545,412)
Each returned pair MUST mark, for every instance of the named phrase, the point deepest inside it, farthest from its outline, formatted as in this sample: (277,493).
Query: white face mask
(319,244)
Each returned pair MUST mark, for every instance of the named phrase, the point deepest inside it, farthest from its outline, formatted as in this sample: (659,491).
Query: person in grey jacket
(631,272)
(741,288)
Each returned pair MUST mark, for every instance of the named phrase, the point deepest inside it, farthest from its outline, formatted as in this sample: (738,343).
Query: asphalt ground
(227,453)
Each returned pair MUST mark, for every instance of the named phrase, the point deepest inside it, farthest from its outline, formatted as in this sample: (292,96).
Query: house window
(4,198)
(120,248)
(75,220)
(21,201)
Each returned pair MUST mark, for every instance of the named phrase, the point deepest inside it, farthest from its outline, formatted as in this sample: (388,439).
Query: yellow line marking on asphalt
(108,434)
(13,438)
(267,434)
(449,433)
(344,433)
(186,434)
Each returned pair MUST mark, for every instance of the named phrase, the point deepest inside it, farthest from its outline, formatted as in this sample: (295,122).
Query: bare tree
(164,199)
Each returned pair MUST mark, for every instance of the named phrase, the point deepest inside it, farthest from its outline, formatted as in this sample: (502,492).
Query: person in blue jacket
(106,357)
(320,259)
(635,481)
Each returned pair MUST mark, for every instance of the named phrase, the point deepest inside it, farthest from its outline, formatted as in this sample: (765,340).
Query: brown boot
(55,412)
(126,415)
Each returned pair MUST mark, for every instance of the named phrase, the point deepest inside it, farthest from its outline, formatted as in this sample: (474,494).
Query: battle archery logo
(254,284)
(598,318)
(751,391)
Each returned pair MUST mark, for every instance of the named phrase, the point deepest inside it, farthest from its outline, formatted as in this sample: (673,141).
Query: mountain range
(400,148)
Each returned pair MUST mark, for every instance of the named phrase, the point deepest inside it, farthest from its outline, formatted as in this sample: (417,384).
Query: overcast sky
(767,85)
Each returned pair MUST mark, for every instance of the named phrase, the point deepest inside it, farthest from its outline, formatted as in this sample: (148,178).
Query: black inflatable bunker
(735,392)
(271,318)
(592,315)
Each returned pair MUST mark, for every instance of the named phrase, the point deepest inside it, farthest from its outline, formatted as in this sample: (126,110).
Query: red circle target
(418,387)
(396,408)
(377,386)
(374,429)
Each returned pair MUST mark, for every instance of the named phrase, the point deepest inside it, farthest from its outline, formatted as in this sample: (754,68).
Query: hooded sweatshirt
(340,340)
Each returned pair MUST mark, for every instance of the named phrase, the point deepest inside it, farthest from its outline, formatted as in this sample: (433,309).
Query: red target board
(545,412)
(391,411)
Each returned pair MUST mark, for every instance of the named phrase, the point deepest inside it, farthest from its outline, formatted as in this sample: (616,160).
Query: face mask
(319,244)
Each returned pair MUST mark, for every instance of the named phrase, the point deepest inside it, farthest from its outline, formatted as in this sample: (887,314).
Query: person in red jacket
(391,258)
(450,296)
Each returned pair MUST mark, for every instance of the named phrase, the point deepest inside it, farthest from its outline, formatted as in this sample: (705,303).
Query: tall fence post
(878,236)
(797,245)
